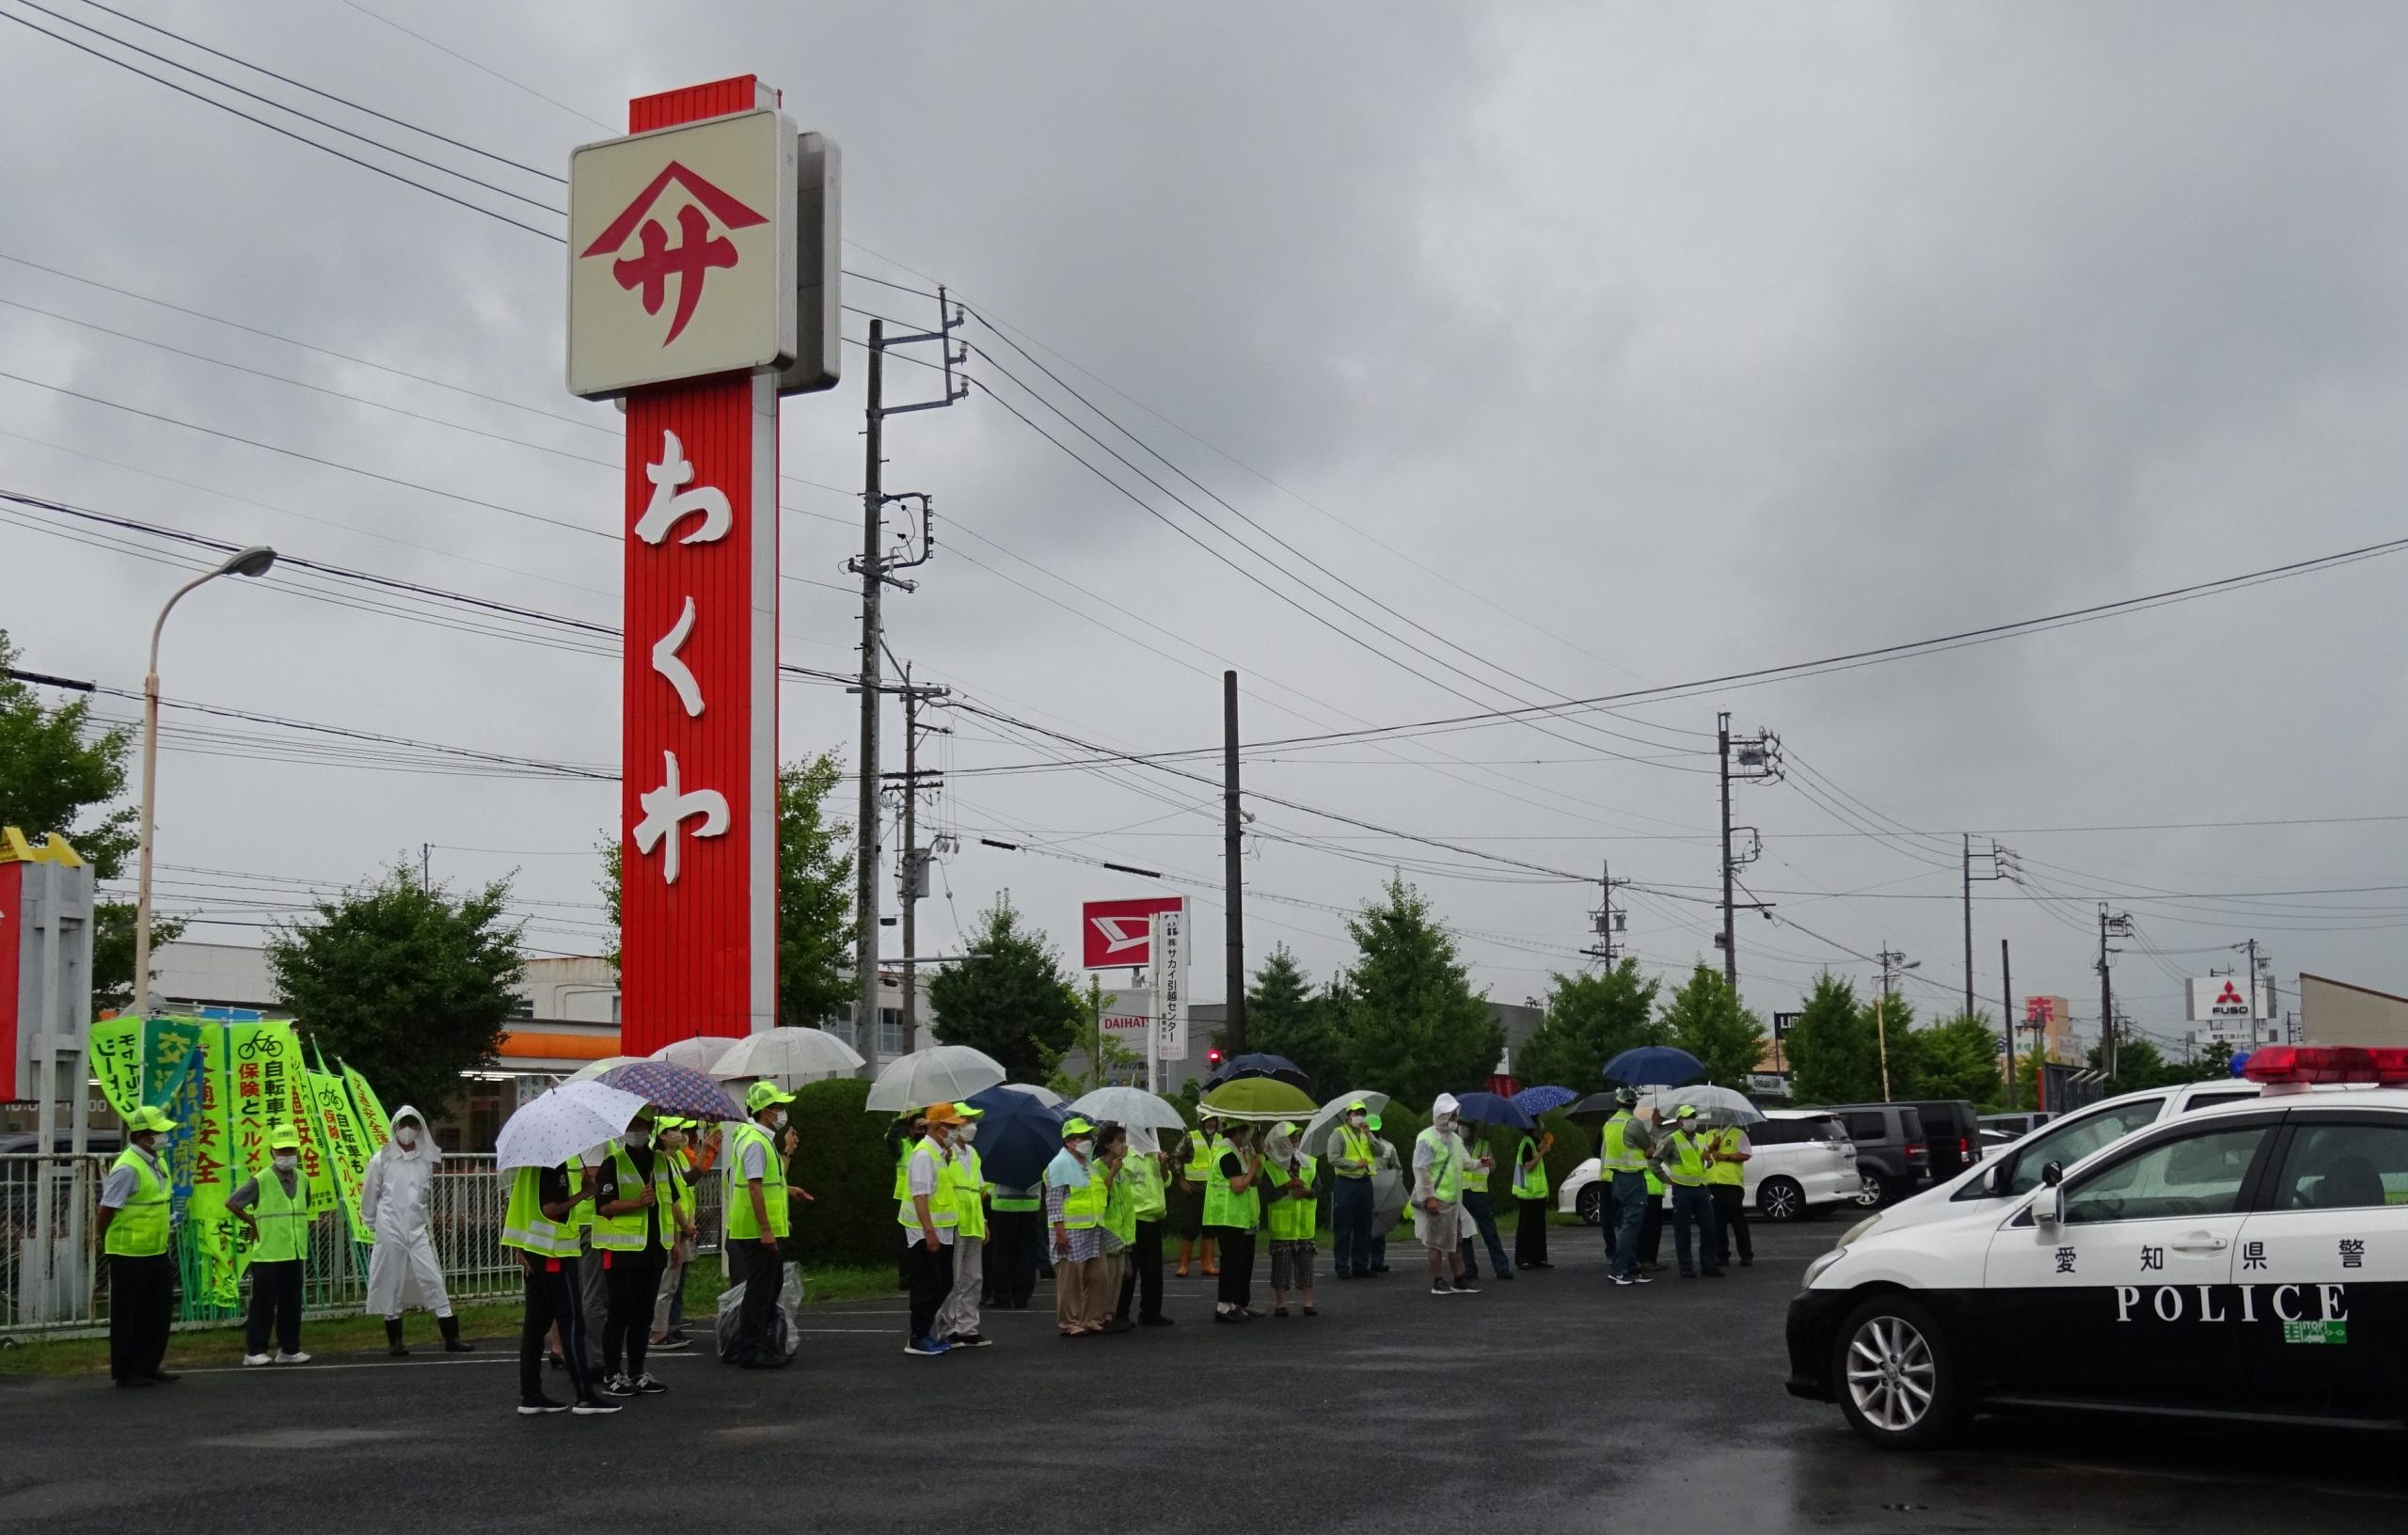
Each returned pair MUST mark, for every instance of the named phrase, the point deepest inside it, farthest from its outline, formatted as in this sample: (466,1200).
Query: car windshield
(2067,1141)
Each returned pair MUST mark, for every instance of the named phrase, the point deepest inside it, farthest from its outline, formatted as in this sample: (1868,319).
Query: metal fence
(54,1283)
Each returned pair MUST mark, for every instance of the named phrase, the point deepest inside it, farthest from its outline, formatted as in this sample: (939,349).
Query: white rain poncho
(401,1267)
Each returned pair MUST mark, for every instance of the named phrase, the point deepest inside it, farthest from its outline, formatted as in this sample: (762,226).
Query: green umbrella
(1259,1097)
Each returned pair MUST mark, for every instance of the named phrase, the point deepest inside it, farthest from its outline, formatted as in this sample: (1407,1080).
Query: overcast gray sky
(1614,344)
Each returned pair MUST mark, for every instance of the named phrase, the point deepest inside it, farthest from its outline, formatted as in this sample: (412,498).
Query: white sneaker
(257,1359)
(296,1357)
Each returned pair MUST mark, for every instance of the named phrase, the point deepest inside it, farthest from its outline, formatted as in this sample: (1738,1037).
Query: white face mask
(632,1138)
(1080,1149)
(406,1137)
(286,1161)
(777,1118)
(966,1134)
(1357,1120)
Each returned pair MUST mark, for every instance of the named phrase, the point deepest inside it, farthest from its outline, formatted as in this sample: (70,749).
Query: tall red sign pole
(685,259)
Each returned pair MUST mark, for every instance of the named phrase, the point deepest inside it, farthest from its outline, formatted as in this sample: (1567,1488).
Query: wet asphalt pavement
(1555,1403)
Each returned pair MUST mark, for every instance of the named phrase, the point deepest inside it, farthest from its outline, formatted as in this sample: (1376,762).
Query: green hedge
(842,1158)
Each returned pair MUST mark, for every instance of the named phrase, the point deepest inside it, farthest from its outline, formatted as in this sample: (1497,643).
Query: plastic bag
(785,1324)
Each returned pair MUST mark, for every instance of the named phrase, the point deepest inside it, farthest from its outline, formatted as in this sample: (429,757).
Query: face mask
(407,1137)
(966,1134)
(777,1118)
(1080,1149)
(632,1139)
(1355,1119)
(286,1161)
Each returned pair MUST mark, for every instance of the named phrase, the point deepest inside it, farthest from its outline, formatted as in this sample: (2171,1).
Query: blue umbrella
(1489,1109)
(1654,1065)
(1017,1137)
(1277,1067)
(1543,1099)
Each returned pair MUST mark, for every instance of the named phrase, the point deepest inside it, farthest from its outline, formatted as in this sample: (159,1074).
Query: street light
(254,561)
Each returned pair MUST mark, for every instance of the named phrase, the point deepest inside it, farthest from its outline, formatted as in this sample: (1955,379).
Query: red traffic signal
(1213,1057)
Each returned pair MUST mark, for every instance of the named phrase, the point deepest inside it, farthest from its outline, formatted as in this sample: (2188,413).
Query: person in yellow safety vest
(1529,1201)
(1141,1280)
(1438,1220)
(1385,1165)
(1726,1182)
(1232,1212)
(1479,1165)
(1115,1232)
(1680,1159)
(1352,1160)
(135,1226)
(1622,1165)
(929,1221)
(1076,1195)
(963,1182)
(676,1142)
(273,1206)
(541,1225)
(908,1131)
(637,1222)
(759,1209)
(1291,1216)
(1194,1173)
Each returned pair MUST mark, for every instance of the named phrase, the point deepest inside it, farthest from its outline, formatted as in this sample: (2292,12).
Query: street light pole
(254,561)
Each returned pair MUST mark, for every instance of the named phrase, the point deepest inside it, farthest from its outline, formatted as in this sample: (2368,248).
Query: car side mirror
(2044,1205)
(2053,1174)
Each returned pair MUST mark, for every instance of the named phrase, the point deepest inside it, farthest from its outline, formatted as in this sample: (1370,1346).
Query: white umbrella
(592,1069)
(1727,1105)
(700,1053)
(1131,1107)
(1315,1141)
(939,1074)
(1043,1095)
(560,1125)
(786,1056)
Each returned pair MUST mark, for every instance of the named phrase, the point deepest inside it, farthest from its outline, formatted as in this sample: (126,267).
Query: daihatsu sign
(694,244)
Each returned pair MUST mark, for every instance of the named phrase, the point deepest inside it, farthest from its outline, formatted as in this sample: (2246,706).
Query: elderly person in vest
(1290,1215)
(273,1206)
(134,1231)
(1232,1214)
(1439,1223)
(929,1220)
(964,1185)
(1352,1161)
(401,1267)
(1076,1194)
(1119,1229)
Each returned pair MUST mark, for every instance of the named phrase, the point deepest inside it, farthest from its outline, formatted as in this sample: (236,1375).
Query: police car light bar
(2301,1066)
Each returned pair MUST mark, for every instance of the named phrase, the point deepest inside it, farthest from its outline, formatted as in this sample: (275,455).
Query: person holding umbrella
(929,1220)
(1351,1163)
(1622,1153)
(1529,1201)
(1437,1199)
(1194,1175)
(965,1190)
(758,1213)
(1232,1212)
(637,1197)
(1479,1162)
(1290,1216)
(1142,1278)
(1075,1196)
(1682,1159)
(1387,1174)
(906,1134)
(541,1225)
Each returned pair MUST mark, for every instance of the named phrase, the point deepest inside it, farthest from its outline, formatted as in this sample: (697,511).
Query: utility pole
(1232,836)
(2115,924)
(911,868)
(876,569)
(1892,963)
(2002,867)
(1759,758)
(1607,919)
(425,868)
(2006,1011)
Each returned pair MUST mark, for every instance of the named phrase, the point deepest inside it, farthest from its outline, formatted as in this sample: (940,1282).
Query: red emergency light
(2302,1066)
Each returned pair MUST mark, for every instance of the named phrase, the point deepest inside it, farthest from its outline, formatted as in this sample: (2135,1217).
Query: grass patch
(207,1346)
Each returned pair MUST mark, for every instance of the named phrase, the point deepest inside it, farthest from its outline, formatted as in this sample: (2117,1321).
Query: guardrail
(54,1283)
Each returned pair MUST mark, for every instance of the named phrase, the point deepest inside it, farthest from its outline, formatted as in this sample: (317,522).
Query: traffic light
(1213,1057)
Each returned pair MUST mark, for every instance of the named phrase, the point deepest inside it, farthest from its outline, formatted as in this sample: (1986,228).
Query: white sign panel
(1128,1014)
(1170,986)
(2223,1000)
(681,254)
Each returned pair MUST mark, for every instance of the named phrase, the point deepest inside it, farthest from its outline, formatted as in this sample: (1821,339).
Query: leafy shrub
(844,1160)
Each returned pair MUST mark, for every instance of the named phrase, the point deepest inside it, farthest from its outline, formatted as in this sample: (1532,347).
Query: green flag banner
(116,1061)
(212,1272)
(347,1148)
(373,1120)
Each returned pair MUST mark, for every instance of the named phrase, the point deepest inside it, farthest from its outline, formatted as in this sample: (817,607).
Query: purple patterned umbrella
(674,1089)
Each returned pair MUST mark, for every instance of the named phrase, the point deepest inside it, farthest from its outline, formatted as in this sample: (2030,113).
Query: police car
(2248,1261)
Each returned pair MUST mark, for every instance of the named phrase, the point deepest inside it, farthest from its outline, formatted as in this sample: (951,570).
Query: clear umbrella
(1727,1105)
(700,1053)
(787,1056)
(1131,1107)
(592,1069)
(939,1074)
(560,1124)
(1045,1096)
(1317,1129)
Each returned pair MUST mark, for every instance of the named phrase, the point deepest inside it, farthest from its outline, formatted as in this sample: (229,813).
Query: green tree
(1413,1025)
(1959,1058)
(1285,1016)
(410,986)
(56,768)
(815,923)
(1705,1019)
(1590,1017)
(1010,998)
(1830,1049)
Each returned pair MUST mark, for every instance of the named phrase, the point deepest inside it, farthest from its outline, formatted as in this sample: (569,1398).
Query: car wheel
(1896,1375)
(1780,1199)
(1591,1204)
(1868,1190)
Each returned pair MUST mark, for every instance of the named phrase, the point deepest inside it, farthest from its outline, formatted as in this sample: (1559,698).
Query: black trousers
(142,1300)
(1530,1233)
(1013,1237)
(763,1273)
(552,1298)
(275,1297)
(1730,1223)
(634,1280)
(931,1281)
(1145,1266)
(1651,1233)
(1236,1250)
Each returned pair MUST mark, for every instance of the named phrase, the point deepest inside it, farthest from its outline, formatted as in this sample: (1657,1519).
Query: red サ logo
(657,263)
